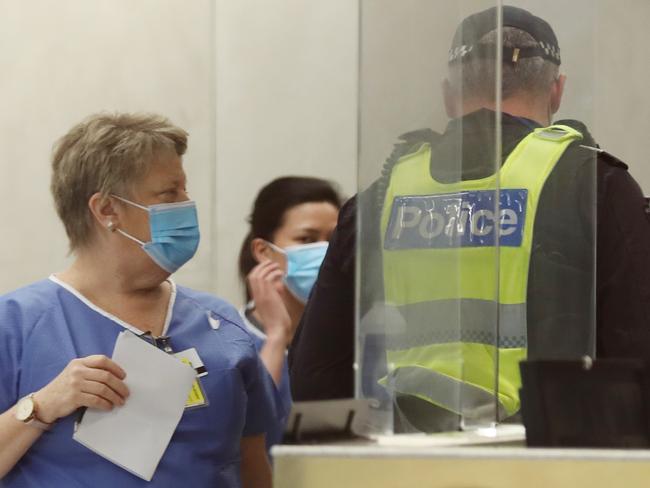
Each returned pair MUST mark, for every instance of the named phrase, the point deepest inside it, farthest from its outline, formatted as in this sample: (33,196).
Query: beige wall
(623,83)
(286,104)
(63,60)
(267,88)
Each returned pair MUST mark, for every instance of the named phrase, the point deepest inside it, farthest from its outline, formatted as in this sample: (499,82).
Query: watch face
(24,409)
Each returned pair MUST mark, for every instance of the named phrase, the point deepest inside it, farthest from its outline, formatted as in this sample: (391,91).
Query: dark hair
(271,205)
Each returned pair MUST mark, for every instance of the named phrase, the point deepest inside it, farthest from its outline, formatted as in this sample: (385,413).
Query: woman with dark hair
(291,221)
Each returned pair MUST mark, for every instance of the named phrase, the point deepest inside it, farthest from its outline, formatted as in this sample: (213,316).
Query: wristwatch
(26,413)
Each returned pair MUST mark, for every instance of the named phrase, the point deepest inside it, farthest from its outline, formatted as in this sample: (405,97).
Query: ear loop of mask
(146,209)
(275,248)
(142,207)
(297,246)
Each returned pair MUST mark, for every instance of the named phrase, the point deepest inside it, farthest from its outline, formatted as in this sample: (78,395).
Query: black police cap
(465,44)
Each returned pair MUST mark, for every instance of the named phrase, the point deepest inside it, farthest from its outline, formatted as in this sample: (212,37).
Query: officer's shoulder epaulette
(612,160)
(604,156)
(589,144)
(413,140)
(420,135)
(587,138)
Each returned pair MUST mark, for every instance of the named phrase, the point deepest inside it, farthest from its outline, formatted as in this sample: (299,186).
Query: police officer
(549,296)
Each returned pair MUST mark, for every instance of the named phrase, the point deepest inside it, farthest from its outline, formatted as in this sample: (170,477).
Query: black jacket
(561,282)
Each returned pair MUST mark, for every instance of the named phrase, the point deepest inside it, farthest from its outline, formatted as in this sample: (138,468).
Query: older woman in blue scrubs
(120,190)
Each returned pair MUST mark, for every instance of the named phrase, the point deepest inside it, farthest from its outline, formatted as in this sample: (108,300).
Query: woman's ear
(260,250)
(103,211)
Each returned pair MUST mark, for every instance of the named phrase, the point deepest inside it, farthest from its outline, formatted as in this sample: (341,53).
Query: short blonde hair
(106,153)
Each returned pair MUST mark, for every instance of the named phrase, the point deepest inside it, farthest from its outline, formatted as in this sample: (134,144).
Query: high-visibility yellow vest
(452,283)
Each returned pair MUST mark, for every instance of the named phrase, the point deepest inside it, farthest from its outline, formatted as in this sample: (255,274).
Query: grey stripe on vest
(451,394)
(462,320)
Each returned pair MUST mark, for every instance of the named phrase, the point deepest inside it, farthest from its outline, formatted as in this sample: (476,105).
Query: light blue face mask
(303,264)
(174,233)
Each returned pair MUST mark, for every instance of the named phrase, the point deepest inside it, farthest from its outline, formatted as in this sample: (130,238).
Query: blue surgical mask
(303,265)
(174,233)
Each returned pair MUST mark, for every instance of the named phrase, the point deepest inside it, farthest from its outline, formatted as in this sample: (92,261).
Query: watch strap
(39,424)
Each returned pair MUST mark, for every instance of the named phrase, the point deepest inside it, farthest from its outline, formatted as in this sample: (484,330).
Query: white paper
(135,435)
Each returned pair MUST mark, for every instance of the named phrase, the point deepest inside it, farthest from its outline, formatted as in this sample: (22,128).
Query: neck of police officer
(536,109)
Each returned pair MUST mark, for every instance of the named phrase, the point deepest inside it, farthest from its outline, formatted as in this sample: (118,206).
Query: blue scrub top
(282,398)
(46,325)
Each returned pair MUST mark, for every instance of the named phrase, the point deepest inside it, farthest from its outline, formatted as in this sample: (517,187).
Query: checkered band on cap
(459,52)
(466,42)
(550,50)
(487,51)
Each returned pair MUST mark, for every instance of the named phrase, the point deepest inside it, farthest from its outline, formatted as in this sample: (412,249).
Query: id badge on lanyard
(197,397)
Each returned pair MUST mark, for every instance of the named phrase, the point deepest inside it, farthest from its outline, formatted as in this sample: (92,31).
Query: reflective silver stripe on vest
(462,320)
(453,395)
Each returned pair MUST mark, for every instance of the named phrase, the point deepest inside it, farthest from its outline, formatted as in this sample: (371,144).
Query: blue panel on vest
(463,219)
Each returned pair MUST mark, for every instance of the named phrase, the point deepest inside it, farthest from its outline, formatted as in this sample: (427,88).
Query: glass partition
(465,245)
